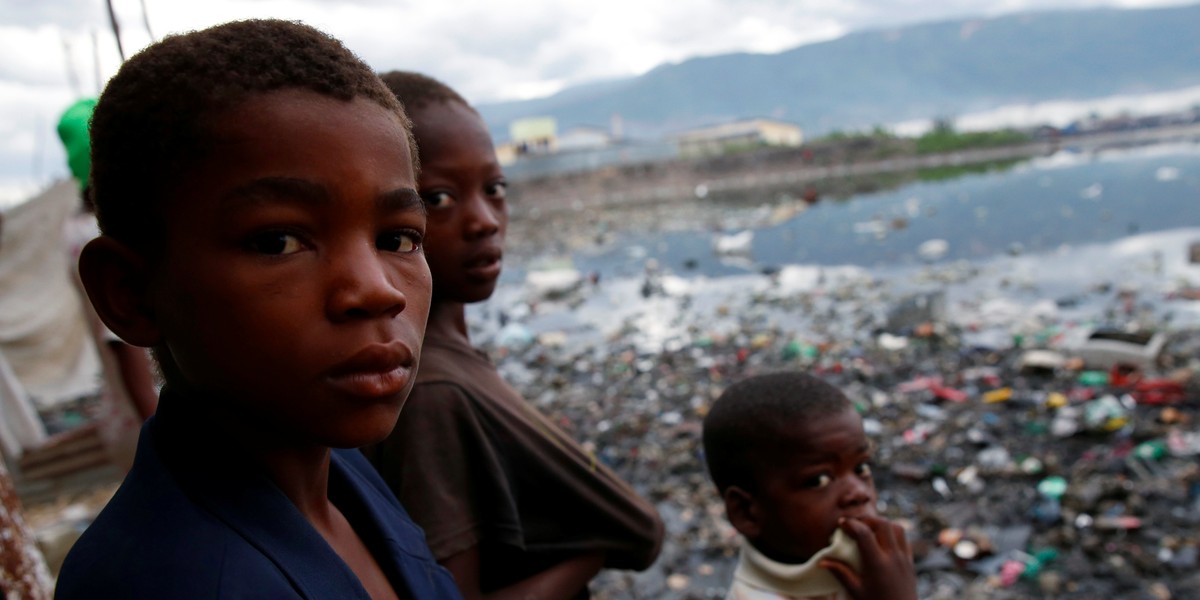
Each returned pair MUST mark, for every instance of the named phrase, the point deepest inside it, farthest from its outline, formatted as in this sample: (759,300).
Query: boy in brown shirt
(510,504)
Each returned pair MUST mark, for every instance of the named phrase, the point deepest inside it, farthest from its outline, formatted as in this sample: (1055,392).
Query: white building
(719,139)
(583,138)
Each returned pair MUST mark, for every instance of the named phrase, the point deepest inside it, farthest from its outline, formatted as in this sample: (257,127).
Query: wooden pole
(112,19)
(146,21)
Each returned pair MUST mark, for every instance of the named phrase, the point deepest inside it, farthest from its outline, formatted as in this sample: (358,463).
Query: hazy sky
(487,49)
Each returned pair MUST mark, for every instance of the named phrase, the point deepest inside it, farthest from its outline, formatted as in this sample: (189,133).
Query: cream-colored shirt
(760,578)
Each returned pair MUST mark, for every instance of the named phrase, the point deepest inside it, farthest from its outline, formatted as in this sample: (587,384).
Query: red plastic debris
(946,393)
(1158,391)
(1124,375)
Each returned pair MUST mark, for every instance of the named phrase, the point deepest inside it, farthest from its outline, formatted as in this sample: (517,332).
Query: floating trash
(934,249)
(1166,174)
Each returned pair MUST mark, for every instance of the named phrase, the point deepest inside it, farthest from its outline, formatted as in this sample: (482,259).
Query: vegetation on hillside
(943,138)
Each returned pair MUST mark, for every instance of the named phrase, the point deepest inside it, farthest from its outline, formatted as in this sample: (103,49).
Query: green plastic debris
(1151,450)
(1093,378)
(1039,559)
(1031,465)
(1053,487)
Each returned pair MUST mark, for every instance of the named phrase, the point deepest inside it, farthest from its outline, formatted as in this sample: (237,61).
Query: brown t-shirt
(474,464)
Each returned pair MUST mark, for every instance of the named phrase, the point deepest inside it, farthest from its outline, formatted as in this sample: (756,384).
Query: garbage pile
(1036,433)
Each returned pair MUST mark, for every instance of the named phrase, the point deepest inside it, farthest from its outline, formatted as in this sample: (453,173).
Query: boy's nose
(855,491)
(482,218)
(362,286)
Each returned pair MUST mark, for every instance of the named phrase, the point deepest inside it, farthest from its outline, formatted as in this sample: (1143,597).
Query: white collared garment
(760,578)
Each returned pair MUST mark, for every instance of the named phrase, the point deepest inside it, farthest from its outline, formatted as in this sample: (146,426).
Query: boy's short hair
(416,91)
(151,119)
(751,423)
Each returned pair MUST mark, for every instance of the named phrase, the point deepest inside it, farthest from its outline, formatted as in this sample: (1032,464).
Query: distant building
(719,139)
(534,135)
(506,153)
(583,138)
(616,127)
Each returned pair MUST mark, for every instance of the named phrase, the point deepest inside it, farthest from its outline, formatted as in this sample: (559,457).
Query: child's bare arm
(560,582)
(887,564)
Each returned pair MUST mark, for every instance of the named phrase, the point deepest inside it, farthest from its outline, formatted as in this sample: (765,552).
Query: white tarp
(20,426)
(44,334)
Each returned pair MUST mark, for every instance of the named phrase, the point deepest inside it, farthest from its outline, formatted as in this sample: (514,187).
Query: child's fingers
(886,533)
(887,566)
(892,535)
(850,580)
(862,534)
(902,540)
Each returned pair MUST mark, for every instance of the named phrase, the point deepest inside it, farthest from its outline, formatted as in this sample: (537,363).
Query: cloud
(68,14)
(487,50)
(30,152)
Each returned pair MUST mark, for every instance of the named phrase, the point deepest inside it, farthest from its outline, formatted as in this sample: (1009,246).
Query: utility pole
(146,21)
(112,19)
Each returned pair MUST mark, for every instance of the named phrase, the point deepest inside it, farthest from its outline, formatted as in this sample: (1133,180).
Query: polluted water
(1034,416)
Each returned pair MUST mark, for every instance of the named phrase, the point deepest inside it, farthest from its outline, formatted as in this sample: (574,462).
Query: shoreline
(585,211)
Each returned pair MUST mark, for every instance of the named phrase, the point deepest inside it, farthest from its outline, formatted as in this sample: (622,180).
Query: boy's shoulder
(448,360)
(172,532)
(397,524)
(151,540)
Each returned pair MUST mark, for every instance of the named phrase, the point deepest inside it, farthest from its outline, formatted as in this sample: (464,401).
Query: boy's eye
(435,200)
(498,190)
(403,242)
(818,481)
(863,469)
(275,243)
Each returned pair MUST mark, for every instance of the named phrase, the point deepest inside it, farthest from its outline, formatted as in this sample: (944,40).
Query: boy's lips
(485,264)
(375,371)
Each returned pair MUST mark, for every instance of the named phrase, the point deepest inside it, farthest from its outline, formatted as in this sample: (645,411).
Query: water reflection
(970,212)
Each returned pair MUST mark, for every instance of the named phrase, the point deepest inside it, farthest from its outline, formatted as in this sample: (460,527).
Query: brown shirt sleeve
(475,464)
(446,474)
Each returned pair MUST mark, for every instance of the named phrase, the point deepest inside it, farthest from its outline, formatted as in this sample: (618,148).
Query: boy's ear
(743,512)
(116,280)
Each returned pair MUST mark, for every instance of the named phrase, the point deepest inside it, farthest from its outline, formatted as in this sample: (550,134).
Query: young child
(255,187)
(510,503)
(789,456)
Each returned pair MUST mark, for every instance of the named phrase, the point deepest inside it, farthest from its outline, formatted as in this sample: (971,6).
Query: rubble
(1020,468)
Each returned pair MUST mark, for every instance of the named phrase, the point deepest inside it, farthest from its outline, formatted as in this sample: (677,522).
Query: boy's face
(464,191)
(826,475)
(293,285)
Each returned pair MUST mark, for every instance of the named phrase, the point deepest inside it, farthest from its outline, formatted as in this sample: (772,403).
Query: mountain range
(867,78)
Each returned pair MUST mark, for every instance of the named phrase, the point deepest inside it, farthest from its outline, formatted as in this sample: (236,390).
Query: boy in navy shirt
(255,185)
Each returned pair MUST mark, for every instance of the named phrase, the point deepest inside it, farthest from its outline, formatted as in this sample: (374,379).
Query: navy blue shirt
(193,522)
